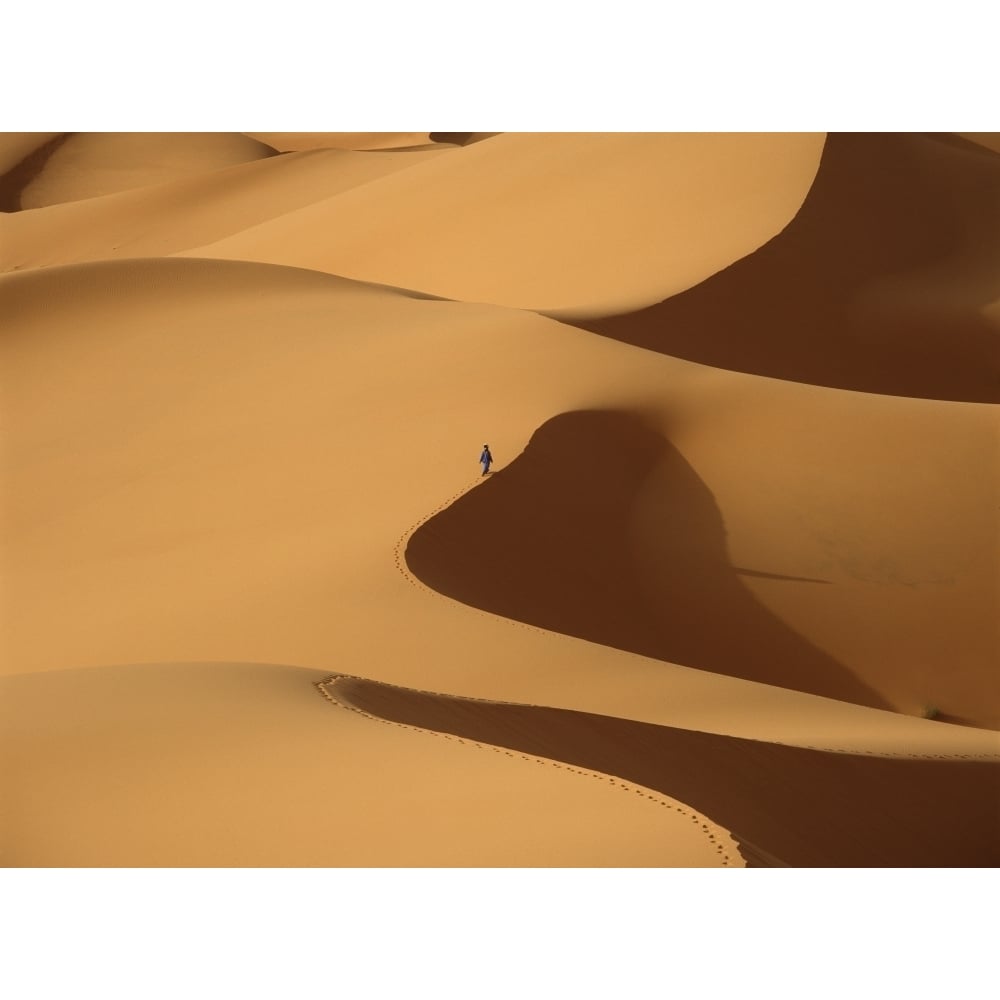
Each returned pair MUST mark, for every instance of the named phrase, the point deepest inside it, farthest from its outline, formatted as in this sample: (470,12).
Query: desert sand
(728,597)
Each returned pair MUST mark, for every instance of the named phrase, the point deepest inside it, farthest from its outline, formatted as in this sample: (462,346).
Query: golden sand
(729,594)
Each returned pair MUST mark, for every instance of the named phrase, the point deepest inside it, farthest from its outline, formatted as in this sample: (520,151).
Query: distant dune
(579,225)
(85,165)
(728,595)
(286,141)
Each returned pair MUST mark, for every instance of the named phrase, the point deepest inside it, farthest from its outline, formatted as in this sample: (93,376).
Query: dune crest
(602,530)
(881,282)
(850,810)
(566,553)
(177,214)
(297,141)
(663,212)
(242,765)
(89,164)
(739,587)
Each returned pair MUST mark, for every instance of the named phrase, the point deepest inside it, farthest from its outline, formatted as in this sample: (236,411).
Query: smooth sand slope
(578,224)
(218,423)
(848,809)
(226,765)
(678,576)
(76,165)
(161,219)
(887,280)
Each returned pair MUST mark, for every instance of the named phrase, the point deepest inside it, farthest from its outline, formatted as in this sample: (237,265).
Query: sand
(715,607)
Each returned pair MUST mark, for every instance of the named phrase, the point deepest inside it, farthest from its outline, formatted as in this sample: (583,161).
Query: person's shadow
(601,530)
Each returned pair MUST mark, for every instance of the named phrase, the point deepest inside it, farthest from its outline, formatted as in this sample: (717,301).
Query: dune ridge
(330,688)
(852,817)
(519,195)
(22,161)
(160,219)
(686,602)
(238,379)
(240,764)
(87,164)
(885,281)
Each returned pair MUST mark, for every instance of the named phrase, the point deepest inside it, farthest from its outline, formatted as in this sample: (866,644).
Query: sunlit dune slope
(217,460)
(783,805)
(163,218)
(823,575)
(87,164)
(293,141)
(245,765)
(601,529)
(887,280)
(582,225)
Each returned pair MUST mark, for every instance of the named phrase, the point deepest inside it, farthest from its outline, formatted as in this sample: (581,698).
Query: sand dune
(502,221)
(581,573)
(152,490)
(244,765)
(294,141)
(759,604)
(21,155)
(85,165)
(850,810)
(883,282)
(161,219)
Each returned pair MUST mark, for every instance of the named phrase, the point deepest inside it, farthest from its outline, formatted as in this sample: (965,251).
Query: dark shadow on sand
(785,805)
(889,212)
(13,183)
(550,540)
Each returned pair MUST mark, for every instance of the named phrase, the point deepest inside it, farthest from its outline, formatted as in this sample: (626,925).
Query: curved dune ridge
(84,165)
(601,529)
(180,213)
(242,765)
(296,141)
(850,810)
(886,280)
(502,221)
(709,595)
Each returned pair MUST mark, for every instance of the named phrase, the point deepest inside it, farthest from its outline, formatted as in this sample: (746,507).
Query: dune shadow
(785,805)
(15,180)
(461,138)
(601,530)
(876,284)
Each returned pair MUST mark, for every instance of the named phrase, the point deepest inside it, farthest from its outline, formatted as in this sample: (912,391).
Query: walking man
(486,458)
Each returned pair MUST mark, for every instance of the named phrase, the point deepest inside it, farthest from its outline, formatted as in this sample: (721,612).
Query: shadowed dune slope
(215,482)
(295,141)
(462,138)
(212,465)
(224,765)
(88,164)
(784,805)
(15,146)
(161,219)
(988,140)
(22,156)
(581,225)
(882,282)
(551,540)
